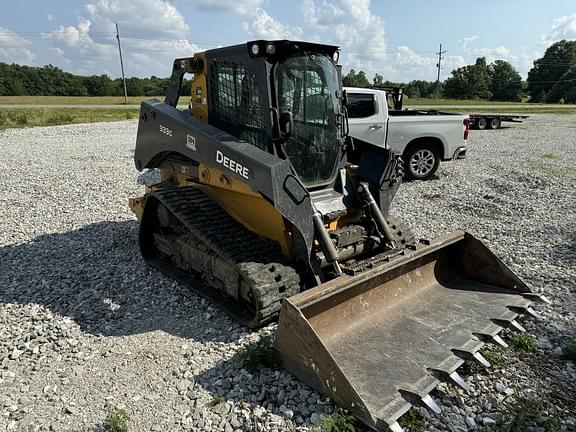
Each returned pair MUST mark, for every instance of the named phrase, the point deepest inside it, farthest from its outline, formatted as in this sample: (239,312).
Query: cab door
(365,118)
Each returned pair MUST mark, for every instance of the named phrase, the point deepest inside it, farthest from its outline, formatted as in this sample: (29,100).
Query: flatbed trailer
(493,121)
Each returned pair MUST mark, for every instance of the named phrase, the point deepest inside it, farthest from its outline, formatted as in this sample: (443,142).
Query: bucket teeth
(537,297)
(497,339)
(395,427)
(451,377)
(430,404)
(526,310)
(457,379)
(481,359)
(425,399)
(467,355)
(493,338)
(510,323)
(515,324)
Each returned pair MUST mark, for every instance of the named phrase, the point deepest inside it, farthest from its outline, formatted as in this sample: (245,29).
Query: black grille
(236,103)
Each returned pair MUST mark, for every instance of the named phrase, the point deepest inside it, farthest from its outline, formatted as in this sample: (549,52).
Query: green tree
(565,88)
(98,85)
(469,82)
(506,81)
(134,87)
(420,88)
(16,88)
(378,80)
(549,69)
(353,79)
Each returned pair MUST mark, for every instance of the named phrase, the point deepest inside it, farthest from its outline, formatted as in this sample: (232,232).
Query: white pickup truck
(423,138)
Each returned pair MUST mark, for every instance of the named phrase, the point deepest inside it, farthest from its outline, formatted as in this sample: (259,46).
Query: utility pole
(122,65)
(439,65)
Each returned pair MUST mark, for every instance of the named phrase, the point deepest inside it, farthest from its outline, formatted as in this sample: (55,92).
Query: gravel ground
(86,327)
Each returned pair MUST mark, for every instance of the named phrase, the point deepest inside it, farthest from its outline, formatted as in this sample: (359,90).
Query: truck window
(361,105)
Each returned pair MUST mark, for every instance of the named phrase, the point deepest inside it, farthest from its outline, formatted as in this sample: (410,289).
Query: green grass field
(29,117)
(73,100)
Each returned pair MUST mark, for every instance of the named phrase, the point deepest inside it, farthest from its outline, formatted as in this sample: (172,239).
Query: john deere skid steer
(262,195)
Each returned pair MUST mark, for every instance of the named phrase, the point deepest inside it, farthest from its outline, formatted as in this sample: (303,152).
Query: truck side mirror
(286,124)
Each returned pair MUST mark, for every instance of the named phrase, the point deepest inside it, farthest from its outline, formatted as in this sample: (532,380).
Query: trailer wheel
(494,123)
(481,123)
(421,161)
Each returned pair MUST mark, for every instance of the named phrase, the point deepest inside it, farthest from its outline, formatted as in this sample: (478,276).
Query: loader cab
(308,97)
(283,97)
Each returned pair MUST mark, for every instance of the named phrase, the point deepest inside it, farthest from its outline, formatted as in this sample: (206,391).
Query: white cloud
(562,28)
(406,57)
(491,54)
(424,67)
(520,59)
(72,36)
(263,26)
(466,41)
(49,17)
(326,14)
(14,48)
(152,32)
(353,26)
(10,39)
(469,39)
(240,7)
(451,62)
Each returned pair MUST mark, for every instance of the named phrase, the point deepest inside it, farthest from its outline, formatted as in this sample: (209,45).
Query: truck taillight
(466,128)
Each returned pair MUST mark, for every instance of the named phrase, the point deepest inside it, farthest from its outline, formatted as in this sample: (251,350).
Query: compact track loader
(262,196)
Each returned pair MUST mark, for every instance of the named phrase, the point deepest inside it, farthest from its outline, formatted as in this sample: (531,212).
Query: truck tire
(494,123)
(421,161)
(481,123)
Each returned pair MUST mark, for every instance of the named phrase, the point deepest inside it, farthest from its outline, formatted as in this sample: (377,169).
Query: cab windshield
(308,87)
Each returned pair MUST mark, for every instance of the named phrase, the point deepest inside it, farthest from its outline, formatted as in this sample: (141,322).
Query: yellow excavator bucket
(380,341)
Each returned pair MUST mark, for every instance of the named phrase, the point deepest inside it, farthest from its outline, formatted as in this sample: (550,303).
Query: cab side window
(360,105)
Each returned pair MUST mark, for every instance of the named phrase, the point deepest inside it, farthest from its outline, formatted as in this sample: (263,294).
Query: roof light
(255,49)
(270,49)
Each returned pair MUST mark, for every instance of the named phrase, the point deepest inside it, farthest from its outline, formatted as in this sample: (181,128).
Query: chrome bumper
(460,153)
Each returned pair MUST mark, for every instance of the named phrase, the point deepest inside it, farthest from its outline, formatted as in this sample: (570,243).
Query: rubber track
(258,261)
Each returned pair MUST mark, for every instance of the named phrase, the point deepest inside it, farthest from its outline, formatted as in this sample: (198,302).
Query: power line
(552,82)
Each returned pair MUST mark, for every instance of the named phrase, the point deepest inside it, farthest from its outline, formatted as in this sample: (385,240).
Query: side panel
(448,129)
(164,130)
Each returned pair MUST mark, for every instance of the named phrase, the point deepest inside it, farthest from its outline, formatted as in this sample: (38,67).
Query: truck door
(366,118)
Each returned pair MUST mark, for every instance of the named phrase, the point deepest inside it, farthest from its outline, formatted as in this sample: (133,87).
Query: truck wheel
(494,123)
(482,123)
(421,161)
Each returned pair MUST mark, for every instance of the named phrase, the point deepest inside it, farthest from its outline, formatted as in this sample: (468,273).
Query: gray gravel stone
(500,387)
(487,421)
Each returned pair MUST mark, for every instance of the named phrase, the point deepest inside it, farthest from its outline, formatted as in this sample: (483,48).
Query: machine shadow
(96,276)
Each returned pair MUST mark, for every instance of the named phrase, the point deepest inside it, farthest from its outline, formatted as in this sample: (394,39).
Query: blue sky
(397,39)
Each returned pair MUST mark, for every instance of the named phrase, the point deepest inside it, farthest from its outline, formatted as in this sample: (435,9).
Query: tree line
(552,79)
(16,80)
